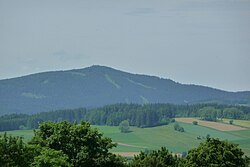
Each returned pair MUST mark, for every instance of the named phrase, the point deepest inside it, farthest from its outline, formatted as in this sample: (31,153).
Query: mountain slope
(98,85)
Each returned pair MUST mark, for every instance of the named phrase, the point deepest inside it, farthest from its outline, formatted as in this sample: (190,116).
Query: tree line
(147,115)
(73,145)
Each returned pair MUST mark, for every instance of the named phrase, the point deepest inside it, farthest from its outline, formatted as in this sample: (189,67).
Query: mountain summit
(99,85)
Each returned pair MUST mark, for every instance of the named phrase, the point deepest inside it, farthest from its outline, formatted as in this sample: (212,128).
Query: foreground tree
(216,153)
(159,158)
(83,145)
(50,157)
(14,152)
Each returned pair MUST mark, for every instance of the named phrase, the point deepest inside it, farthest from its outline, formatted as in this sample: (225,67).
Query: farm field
(154,138)
(243,123)
(214,125)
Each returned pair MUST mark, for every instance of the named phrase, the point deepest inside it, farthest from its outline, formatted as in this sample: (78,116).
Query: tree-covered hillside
(97,86)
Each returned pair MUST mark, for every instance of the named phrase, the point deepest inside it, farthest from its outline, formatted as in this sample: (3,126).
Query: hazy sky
(205,42)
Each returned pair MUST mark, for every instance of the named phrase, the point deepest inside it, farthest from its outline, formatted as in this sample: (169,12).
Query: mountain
(97,86)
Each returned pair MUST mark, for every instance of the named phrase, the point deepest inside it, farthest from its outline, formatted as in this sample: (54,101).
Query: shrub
(177,127)
(195,123)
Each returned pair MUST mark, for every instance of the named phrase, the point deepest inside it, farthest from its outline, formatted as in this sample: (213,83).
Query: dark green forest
(147,115)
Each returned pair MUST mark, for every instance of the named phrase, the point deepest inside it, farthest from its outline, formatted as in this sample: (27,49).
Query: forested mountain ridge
(99,85)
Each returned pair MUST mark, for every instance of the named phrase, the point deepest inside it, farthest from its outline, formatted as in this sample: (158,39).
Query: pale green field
(25,134)
(154,138)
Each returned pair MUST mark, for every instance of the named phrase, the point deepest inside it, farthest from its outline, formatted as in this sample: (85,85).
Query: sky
(203,42)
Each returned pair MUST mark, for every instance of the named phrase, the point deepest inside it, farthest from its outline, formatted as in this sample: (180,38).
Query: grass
(25,134)
(154,138)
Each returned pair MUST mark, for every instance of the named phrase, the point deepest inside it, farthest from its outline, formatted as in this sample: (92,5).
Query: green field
(25,134)
(153,138)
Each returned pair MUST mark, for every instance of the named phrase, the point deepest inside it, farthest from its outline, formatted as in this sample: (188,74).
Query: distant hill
(97,86)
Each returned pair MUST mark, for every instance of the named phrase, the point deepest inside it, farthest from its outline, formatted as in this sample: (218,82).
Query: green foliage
(231,121)
(160,158)
(124,126)
(195,123)
(216,153)
(209,113)
(148,115)
(12,121)
(177,127)
(50,157)
(232,113)
(22,127)
(83,145)
(59,144)
(15,153)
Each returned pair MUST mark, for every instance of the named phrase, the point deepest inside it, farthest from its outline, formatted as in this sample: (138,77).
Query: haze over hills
(99,85)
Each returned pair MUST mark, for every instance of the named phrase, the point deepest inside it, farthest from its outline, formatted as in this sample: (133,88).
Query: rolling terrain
(141,139)
(98,86)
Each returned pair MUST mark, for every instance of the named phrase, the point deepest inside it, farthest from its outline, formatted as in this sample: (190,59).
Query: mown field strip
(243,123)
(129,145)
(215,125)
(126,154)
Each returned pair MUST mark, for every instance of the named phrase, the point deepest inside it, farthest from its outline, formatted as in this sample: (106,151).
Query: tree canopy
(216,153)
(160,158)
(15,153)
(50,157)
(60,144)
(147,115)
(83,145)
(124,126)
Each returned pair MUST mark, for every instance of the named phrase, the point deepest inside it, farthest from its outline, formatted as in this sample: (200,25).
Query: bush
(177,127)
(172,120)
(181,129)
(124,126)
(195,123)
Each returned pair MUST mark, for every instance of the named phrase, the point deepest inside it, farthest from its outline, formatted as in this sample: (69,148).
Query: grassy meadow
(153,138)
(140,139)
